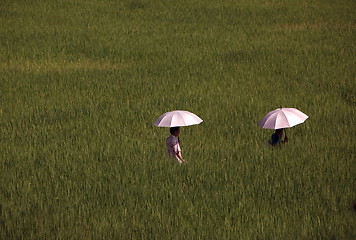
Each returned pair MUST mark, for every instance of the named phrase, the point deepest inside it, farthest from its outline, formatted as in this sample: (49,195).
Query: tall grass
(82,82)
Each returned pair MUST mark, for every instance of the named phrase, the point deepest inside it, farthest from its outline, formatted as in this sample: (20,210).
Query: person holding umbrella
(280,119)
(173,145)
(174,120)
(277,137)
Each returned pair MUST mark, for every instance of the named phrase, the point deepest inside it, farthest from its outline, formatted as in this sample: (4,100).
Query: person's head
(174,131)
(279,132)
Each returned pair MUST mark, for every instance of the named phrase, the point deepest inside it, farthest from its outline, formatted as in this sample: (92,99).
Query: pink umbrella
(283,118)
(177,119)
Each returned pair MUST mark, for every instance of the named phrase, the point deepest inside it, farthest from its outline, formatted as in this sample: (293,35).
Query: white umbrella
(177,119)
(283,118)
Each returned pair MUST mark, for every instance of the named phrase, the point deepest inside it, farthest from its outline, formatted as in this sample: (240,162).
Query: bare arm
(179,157)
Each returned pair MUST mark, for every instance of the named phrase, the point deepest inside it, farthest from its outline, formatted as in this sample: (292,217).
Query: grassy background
(82,82)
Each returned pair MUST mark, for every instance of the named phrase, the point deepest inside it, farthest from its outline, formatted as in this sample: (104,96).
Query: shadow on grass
(136,4)
(349,96)
(238,56)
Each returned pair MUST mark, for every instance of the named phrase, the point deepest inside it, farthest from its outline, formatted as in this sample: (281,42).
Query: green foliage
(82,82)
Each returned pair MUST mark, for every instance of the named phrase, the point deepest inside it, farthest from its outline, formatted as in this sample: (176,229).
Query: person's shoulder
(170,138)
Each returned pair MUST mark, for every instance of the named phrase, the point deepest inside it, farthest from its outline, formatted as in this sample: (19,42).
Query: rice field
(81,83)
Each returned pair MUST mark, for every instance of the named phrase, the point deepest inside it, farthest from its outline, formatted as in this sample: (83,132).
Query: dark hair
(172,130)
(279,130)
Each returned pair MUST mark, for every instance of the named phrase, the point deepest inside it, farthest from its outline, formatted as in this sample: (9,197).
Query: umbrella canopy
(283,118)
(177,119)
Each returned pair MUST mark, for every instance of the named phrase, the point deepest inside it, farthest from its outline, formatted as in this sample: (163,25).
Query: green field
(81,83)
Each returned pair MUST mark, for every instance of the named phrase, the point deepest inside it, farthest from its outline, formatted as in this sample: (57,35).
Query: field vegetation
(81,83)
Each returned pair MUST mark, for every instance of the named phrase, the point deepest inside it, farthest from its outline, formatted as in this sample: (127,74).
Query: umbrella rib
(180,114)
(173,120)
(286,118)
(162,120)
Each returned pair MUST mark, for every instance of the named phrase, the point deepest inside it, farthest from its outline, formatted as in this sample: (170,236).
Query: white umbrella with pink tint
(283,118)
(177,119)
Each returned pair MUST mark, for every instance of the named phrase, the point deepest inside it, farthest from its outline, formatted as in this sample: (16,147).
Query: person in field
(277,137)
(173,147)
